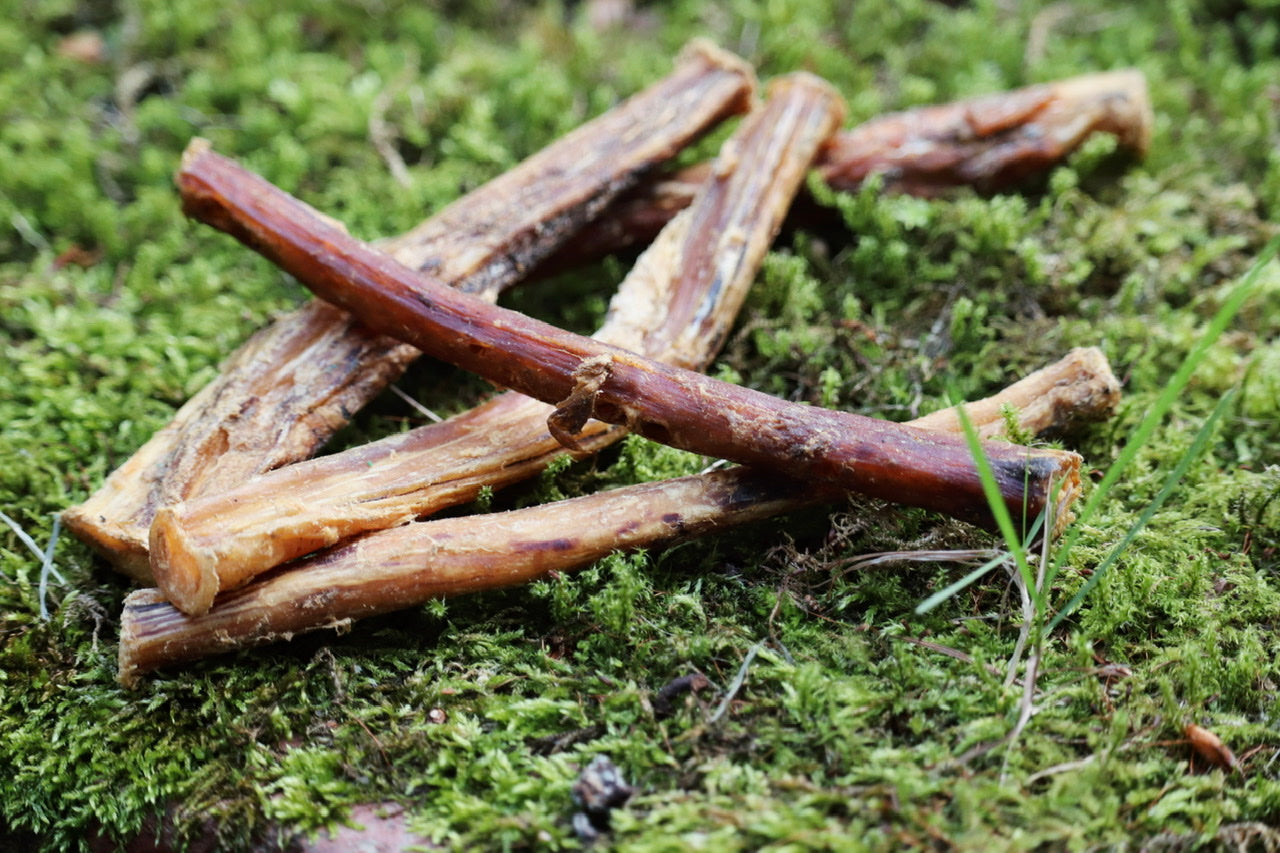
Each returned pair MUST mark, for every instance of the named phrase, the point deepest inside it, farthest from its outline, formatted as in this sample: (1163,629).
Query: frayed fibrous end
(1064,491)
(1120,100)
(716,56)
(1078,388)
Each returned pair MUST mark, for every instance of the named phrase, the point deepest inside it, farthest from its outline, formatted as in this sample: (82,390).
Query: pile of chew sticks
(248,540)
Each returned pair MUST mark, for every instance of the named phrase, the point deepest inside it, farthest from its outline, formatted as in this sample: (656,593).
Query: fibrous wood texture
(295,383)
(404,566)
(667,404)
(676,306)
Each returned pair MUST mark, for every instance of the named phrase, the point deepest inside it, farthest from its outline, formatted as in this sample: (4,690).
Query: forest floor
(835,715)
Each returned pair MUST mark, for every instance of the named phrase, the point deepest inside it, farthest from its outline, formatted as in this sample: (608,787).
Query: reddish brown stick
(393,569)
(676,306)
(243,421)
(294,384)
(993,141)
(672,406)
(989,142)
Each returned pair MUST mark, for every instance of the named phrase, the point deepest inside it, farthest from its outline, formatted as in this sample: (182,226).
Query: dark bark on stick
(676,306)
(393,569)
(296,383)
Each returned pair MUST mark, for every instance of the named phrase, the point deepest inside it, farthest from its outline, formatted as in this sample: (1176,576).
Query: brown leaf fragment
(572,413)
(1210,748)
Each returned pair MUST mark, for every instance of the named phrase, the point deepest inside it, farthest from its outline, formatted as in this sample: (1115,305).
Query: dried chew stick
(676,306)
(996,140)
(670,405)
(292,385)
(405,566)
(990,142)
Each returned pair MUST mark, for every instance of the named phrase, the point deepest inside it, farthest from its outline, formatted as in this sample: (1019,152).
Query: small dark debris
(664,700)
(437,715)
(599,789)
(559,742)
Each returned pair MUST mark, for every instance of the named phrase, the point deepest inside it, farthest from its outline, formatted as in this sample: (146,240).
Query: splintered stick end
(1065,489)
(1124,96)
(189,583)
(129,669)
(804,79)
(705,50)
(1098,392)
(195,148)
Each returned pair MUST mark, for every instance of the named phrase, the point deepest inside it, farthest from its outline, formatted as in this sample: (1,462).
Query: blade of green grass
(991,490)
(1171,482)
(1231,306)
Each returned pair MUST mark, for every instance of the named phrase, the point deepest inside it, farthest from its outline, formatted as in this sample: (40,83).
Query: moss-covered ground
(858,724)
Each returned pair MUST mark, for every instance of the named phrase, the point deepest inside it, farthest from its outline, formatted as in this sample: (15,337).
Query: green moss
(858,724)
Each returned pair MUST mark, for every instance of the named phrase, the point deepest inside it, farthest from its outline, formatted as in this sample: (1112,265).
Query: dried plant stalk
(295,383)
(990,142)
(676,306)
(405,566)
(673,406)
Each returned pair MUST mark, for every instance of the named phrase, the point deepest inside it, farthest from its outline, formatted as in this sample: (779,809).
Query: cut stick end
(130,668)
(1099,393)
(195,148)
(1063,494)
(115,542)
(185,580)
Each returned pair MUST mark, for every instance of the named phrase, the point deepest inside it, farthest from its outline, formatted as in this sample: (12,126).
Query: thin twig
(1065,767)
(731,691)
(44,555)
(381,133)
(23,536)
(415,405)
(46,566)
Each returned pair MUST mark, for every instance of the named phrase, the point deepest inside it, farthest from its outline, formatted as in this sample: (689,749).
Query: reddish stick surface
(676,306)
(672,406)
